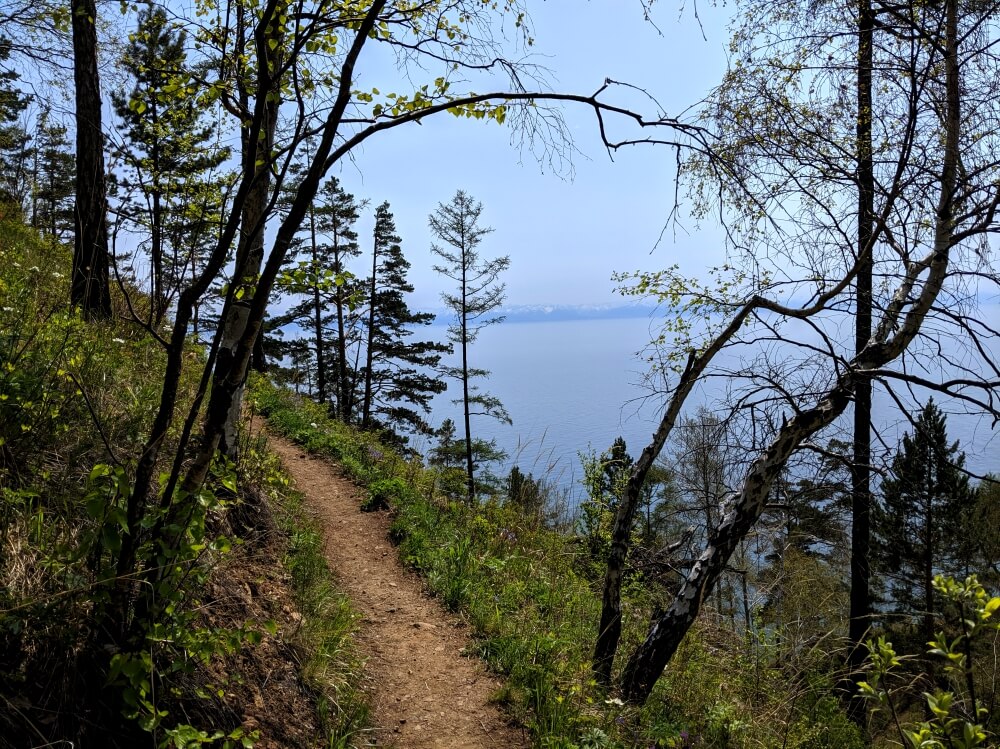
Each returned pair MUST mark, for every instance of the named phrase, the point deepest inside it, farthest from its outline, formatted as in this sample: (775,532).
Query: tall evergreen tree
(54,178)
(480,293)
(318,277)
(337,216)
(926,501)
(90,288)
(171,160)
(15,142)
(399,373)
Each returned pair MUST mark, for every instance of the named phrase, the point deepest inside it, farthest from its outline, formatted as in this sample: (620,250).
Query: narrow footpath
(424,691)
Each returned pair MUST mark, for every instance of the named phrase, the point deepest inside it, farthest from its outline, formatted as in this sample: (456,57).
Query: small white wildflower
(17,264)
(56,275)
(118,340)
(614,701)
(34,269)
(313,425)
(7,309)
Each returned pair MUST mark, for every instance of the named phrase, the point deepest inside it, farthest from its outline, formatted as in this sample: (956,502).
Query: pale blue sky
(565,237)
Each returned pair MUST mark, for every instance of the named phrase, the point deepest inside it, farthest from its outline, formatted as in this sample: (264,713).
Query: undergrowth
(532,600)
(76,400)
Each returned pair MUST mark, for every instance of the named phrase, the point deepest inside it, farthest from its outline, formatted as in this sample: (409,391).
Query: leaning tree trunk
(250,251)
(652,656)
(899,325)
(89,289)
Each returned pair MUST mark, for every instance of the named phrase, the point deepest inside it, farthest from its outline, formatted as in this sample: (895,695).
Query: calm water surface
(572,386)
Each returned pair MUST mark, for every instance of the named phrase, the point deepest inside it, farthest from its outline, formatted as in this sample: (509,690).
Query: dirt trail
(424,692)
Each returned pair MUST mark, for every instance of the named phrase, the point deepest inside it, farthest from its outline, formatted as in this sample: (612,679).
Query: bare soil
(425,692)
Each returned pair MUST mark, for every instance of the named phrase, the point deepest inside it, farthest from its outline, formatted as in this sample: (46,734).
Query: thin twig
(95,419)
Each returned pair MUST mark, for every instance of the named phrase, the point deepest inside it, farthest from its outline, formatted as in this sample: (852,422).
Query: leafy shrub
(958,715)
(386,493)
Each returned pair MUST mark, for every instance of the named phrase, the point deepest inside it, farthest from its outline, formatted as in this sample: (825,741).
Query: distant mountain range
(564,312)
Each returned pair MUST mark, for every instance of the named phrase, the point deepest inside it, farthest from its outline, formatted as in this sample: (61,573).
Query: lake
(575,385)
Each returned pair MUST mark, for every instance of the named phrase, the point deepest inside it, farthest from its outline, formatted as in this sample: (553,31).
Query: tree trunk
(610,627)
(344,405)
(470,481)
(90,284)
(902,319)
(369,353)
(156,229)
(928,565)
(321,393)
(652,656)
(860,465)
(250,251)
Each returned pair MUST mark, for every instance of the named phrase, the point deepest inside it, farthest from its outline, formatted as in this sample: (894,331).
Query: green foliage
(922,521)
(533,611)
(596,515)
(448,459)
(605,477)
(957,715)
(74,402)
(384,494)
(525,493)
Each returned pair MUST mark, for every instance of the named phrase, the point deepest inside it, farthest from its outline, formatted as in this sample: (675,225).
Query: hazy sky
(565,237)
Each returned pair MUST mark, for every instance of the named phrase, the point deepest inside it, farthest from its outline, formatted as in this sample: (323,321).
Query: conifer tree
(399,373)
(450,454)
(921,522)
(318,276)
(336,218)
(15,148)
(54,178)
(480,293)
(90,285)
(170,158)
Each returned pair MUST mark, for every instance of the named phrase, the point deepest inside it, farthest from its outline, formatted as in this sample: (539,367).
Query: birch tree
(793,220)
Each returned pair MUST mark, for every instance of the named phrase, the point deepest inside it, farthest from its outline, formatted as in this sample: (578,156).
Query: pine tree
(90,285)
(337,217)
(175,194)
(451,455)
(399,373)
(318,277)
(54,179)
(479,295)
(15,148)
(926,501)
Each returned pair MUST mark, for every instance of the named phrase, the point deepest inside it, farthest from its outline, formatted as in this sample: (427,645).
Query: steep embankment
(424,692)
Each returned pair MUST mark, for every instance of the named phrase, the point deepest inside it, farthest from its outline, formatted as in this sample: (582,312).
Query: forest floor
(424,691)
